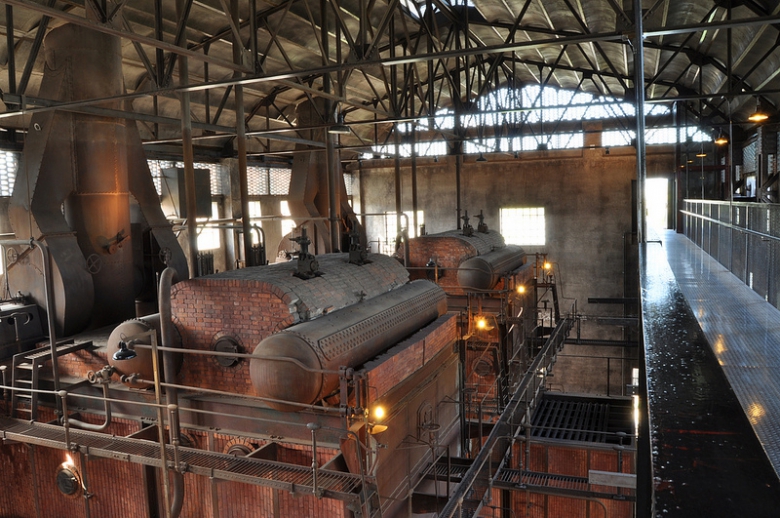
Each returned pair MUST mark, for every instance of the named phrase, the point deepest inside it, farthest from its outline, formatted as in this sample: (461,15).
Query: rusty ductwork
(74,191)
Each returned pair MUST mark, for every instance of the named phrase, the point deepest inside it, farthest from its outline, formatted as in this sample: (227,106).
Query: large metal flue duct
(74,190)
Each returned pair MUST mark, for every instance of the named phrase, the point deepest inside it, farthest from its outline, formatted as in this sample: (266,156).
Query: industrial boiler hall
(389,258)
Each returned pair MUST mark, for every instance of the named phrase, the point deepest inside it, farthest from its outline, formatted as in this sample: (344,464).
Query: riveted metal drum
(484,271)
(288,365)
(130,332)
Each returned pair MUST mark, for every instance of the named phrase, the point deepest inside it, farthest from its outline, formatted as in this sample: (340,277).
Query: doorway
(657,202)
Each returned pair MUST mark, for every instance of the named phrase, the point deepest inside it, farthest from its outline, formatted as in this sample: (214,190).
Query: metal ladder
(25,374)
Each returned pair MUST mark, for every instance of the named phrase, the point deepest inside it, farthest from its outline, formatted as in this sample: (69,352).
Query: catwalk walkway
(712,352)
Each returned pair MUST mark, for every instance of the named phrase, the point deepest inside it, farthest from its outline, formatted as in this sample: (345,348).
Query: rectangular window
(287,224)
(390,223)
(523,226)
(208,238)
(255,212)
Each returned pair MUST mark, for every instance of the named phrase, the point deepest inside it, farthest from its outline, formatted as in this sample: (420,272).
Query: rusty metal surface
(73,190)
(279,475)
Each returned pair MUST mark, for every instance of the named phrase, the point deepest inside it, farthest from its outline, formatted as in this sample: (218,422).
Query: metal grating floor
(521,478)
(288,477)
(571,420)
(743,331)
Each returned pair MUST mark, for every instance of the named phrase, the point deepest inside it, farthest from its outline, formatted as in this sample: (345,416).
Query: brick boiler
(333,432)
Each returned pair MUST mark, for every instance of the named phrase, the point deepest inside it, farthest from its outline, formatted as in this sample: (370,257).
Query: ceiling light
(760,114)
(722,139)
(701,155)
(339,128)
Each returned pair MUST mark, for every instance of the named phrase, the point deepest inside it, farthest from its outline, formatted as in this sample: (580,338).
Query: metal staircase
(26,374)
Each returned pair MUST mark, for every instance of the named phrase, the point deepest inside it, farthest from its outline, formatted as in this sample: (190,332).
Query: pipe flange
(11,255)
(165,255)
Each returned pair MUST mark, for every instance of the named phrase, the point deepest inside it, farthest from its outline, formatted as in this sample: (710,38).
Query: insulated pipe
(167,335)
(169,375)
(345,338)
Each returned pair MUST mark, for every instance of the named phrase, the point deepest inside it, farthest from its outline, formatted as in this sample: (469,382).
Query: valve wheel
(165,255)
(94,264)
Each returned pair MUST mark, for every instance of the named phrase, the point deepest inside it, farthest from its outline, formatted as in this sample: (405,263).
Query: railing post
(63,396)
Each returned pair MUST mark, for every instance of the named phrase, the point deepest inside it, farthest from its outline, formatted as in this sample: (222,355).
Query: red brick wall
(575,461)
(449,250)
(390,369)
(252,303)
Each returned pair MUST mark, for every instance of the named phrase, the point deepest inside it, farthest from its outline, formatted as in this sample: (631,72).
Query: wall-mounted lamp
(67,478)
(375,415)
(482,324)
(760,114)
(124,352)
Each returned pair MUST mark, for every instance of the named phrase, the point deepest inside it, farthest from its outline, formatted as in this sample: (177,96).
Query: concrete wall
(587,197)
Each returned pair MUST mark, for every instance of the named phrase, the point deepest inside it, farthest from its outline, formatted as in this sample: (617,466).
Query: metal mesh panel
(705,234)
(215,175)
(156,167)
(738,255)
(697,224)
(257,178)
(714,247)
(773,267)
(749,158)
(724,237)
(758,253)
(9,163)
(280,181)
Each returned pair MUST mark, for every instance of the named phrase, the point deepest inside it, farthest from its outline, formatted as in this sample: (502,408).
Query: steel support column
(639,88)
(187,158)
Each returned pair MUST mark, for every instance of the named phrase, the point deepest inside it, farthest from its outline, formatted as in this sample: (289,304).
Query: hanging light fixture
(721,139)
(760,114)
(481,158)
(339,128)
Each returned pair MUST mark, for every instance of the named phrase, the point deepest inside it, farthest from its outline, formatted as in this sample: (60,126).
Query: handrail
(542,361)
(48,295)
(731,226)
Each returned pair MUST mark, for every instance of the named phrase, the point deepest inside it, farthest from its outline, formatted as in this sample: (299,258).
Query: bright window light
(523,226)
(208,238)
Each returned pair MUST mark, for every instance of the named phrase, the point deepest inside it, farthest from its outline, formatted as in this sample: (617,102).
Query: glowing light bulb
(521,289)
(547,265)
(379,413)
(481,323)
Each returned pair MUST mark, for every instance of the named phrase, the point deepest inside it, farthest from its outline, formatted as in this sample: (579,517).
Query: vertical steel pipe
(243,181)
(639,87)
(188,158)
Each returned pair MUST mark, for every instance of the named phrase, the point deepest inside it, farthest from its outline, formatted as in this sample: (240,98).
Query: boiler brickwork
(251,304)
(448,250)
